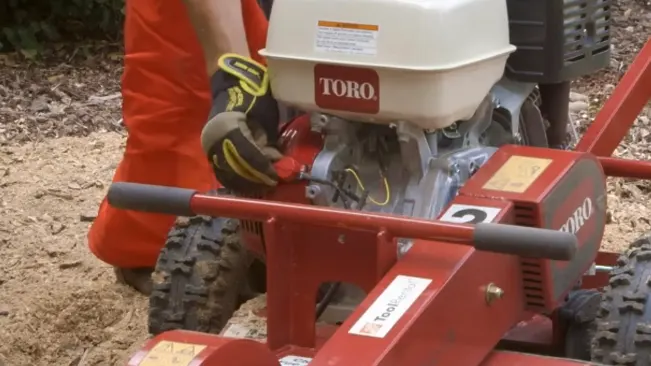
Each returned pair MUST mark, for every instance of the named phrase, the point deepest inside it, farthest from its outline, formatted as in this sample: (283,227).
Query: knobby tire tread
(198,276)
(623,335)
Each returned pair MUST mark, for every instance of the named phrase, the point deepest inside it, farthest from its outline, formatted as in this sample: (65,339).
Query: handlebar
(500,238)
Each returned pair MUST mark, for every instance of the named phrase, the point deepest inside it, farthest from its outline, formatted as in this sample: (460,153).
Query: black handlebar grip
(151,198)
(525,241)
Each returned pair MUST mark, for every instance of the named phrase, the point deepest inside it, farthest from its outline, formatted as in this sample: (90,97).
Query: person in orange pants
(166,87)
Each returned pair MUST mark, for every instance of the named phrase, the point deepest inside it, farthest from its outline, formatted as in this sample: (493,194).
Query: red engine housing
(300,144)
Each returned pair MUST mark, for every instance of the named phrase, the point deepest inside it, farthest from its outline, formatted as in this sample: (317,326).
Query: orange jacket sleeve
(255,25)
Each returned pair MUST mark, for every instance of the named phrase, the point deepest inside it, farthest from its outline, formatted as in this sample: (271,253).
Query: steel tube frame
(259,210)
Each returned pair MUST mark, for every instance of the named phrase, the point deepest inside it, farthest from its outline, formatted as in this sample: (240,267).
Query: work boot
(138,278)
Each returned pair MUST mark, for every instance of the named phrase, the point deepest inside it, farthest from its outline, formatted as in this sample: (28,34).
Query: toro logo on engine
(580,216)
(345,88)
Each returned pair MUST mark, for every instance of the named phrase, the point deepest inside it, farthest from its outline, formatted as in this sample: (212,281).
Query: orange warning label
(368,27)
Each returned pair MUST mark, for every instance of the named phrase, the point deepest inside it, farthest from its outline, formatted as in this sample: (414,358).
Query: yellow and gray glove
(242,128)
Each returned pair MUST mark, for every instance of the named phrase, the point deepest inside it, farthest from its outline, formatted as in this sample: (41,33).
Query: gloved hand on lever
(242,128)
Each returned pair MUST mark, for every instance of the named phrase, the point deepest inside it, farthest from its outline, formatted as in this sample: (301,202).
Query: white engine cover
(428,62)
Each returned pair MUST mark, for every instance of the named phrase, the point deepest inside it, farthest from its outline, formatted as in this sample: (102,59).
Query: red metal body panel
(526,359)
(535,335)
(220,351)
(454,272)
(441,326)
(532,197)
(207,349)
(294,273)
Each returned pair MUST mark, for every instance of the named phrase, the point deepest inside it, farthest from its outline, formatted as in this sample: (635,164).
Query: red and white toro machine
(420,176)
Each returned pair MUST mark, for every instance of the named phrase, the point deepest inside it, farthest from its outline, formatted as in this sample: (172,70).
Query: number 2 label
(469,214)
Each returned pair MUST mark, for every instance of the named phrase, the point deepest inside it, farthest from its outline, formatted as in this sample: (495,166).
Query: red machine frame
(436,328)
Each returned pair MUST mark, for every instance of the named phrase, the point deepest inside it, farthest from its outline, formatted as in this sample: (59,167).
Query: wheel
(578,340)
(623,335)
(532,126)
(199,276)
(579,313)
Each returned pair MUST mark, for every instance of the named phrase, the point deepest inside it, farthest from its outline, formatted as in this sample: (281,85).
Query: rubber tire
(532,125)
(578,341)
(579,313)
(623,335)
(199,277)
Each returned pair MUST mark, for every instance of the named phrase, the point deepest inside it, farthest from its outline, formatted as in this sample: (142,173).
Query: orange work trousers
(166,100)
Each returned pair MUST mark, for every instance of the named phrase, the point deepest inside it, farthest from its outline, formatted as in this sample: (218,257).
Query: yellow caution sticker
(517,174)
(166,353)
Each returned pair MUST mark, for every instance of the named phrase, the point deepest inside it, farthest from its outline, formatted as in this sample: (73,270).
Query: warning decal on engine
(390,306)
(517,174)
(295,361)
(349,38)
(166,353)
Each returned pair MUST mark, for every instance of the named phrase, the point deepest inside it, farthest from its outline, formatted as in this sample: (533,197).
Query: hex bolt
(493,292)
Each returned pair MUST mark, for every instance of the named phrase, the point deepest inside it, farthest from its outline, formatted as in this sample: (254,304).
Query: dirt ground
(60,140)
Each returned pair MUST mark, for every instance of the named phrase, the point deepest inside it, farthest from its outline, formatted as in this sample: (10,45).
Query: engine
(408,109)
(413,97)
(404,170)
(400,62)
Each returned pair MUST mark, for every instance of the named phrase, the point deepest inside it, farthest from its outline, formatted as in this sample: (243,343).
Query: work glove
(242,128)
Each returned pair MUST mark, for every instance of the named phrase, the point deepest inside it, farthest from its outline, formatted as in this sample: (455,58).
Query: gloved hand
(242,128)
